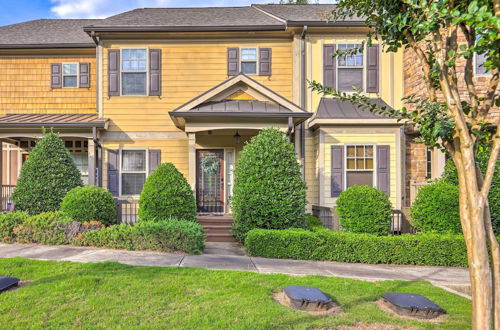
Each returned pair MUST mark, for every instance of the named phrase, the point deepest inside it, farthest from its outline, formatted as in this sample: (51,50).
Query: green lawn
(111,295)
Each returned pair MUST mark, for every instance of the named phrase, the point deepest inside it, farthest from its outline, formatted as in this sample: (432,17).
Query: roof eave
(327,24)
(241,114)
(60,125)
(129,28)
(48,45)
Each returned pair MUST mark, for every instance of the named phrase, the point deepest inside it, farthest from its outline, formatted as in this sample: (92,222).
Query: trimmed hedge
(269,191)
(43,228)
(364,209)
(46,177)
(8,221)
(89,203)
(167,236)
(167,194)
(324,244)
(436,209)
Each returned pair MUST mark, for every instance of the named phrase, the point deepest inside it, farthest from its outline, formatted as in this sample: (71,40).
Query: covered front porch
(20,133)
(218,123)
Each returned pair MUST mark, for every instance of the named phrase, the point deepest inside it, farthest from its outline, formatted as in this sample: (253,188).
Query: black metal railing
(6,196)
(127,211)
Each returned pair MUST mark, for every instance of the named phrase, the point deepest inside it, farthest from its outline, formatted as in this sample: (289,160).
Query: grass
(111,295)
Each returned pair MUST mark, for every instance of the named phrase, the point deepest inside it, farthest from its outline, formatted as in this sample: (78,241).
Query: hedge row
(409,249)
(56,229)
(166,236)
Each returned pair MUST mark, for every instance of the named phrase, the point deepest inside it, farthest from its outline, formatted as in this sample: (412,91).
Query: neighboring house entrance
(210,180)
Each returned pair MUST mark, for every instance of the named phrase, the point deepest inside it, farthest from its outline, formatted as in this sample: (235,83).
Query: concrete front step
(215,230)
(220,238)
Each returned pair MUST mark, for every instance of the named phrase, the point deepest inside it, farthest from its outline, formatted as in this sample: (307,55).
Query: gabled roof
(189,19)
(47,33)
(312,15)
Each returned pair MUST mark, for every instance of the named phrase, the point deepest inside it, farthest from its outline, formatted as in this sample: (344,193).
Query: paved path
(219,257)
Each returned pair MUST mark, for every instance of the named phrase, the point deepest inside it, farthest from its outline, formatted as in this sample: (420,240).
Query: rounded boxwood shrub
(46,176)
(436,208)
(165,195)
(364,209)
(89,203)
(269,191)
(450,176)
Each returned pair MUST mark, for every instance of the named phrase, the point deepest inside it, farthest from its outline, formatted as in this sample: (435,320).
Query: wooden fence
(5,196)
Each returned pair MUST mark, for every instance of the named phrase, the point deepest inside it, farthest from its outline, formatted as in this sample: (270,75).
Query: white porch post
(91,156)
(192,159)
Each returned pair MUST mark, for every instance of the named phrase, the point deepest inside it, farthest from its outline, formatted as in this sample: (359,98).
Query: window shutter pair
(114,167)
(382,169)
(372,67)
(56,78)
(264,60)
(114,72)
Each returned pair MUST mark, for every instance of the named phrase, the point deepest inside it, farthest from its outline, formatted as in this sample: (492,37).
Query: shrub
(8,221)
(167,194)
(46,177)
(364,209)
(269,191)
(436,208)
(89,203)
(450,176)
(167,236)
(313,222)
(43,228)
(420,249)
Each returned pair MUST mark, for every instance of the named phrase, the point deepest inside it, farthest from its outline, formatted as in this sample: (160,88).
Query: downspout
(98,152)
(303,96)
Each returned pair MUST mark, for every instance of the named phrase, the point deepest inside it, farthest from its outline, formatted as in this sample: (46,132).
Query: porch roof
(22,120)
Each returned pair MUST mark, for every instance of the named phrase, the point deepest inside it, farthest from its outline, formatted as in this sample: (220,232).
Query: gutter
(56,45)
(326,24)
(212,28)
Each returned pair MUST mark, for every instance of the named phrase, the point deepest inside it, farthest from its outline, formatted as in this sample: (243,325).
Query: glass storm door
(210,180)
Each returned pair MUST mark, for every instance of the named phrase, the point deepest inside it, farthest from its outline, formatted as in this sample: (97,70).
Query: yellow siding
(188,69)
(339,138)
(25,86)
(391,69)
(311,174)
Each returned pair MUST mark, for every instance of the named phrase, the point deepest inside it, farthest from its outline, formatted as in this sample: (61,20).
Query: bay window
(359,165)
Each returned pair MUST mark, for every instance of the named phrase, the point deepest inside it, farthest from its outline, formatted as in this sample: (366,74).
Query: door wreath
(210,163)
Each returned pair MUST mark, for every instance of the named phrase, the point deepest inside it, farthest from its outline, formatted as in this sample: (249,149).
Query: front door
(210,180)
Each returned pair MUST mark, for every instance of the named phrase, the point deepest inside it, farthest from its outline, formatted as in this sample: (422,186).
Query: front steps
(217,228)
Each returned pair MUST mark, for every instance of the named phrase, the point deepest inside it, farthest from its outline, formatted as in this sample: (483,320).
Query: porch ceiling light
(237,138)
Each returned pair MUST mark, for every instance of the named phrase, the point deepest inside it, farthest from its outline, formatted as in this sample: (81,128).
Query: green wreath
(210,163)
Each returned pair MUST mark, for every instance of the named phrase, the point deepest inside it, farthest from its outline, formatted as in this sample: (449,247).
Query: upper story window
(70,75)
(350,69)
(359,165)
(249,60)
(134,71)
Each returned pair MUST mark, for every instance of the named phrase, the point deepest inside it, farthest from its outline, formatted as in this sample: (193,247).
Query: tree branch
(489,99)
(490,169)
(470,37)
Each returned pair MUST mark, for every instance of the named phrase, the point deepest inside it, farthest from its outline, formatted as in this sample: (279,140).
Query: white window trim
(487,74)
(146,71)
(363,67)
(256,61)
(120,171)
(71,75)
(374,163)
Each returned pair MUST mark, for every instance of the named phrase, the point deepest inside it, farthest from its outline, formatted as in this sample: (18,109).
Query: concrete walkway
(220,256)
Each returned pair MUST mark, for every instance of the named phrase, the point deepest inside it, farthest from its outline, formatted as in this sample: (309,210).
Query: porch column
(192,159)
(92,158)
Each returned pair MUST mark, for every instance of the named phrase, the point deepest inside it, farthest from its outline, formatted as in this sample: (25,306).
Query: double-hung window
(70,75)
(133,171)
(359,165)
(350,68)
(248,61)
(134,71)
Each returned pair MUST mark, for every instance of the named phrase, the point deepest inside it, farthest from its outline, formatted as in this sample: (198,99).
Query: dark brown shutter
(329,65)
(372,65)
(233,61)
(56,75)
(113,166)
(265,56)
(337,171)
(155,72)
(114,72)
(154,159)
(383,169)
(84,75)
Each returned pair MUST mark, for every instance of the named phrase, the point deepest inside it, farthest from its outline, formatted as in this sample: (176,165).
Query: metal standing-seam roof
(333,108)
(240,106)
(47,33)
(52,120)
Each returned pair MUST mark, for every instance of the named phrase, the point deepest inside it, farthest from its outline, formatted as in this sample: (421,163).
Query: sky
(15,11)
